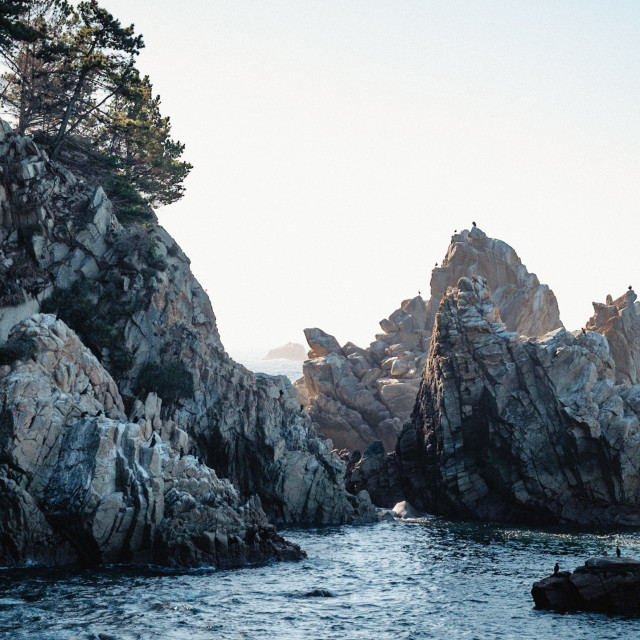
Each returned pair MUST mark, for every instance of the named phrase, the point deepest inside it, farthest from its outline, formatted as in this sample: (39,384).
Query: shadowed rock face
(80,483)
(139,304)
(516,429)
(607,585)
(356,396)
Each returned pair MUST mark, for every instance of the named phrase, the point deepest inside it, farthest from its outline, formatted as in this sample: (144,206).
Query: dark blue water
(404,580)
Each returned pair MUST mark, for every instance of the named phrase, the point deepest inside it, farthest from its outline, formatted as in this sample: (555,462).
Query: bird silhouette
(618,551)
(473,223)
(556,569)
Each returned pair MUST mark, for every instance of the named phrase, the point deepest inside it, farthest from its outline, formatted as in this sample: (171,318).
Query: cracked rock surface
(511,428)
(80,483)
(130,296)
(356,396)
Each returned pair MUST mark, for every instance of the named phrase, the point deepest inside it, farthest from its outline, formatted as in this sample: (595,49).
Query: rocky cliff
(539,429)
(357,396)
(131,298)
(82,483)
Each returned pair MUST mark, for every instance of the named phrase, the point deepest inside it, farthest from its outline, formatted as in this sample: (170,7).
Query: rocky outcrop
(606,585)
(81,483)
(517,429)
(130,296)
(617,320)
(357,396)
(289,351)
(526,306)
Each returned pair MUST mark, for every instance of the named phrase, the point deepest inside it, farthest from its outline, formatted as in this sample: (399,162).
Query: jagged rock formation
(512,428)
(617,321)
(607,585)
(80,483)
(289,351)
(526,306)
(357,396)
(130,296)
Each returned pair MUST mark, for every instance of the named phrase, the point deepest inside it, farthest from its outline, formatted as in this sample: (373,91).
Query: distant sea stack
(289,351)
(120,411)
(356,396)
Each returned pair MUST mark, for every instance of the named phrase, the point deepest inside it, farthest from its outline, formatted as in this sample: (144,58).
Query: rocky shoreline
(127,433)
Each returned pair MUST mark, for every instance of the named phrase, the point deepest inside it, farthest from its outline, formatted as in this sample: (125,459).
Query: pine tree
(13,28)
(75,84)
(138,137)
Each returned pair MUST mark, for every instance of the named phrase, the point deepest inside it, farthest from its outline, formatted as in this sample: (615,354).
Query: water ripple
(423,579)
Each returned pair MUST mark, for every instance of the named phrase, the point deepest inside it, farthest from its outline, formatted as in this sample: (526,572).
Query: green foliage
(77,307)
(133,243)
(21,348)
(75,84)
(13,28)
(171,381)
(130,206)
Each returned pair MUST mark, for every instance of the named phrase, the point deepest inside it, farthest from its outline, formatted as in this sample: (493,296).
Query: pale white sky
(337,145)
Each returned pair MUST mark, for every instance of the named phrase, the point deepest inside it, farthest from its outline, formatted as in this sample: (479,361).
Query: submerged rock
(606,585)
(356,396)
(320,593)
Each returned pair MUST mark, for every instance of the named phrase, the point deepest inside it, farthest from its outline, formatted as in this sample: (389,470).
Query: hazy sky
(338,143)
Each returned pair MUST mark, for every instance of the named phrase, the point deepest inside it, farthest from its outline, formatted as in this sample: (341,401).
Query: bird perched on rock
(556,569)
(473,223)
(618,551)
(584,330)
(630,287)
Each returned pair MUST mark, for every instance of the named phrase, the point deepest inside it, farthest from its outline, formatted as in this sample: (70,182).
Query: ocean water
(290,368)
(428,578)
(390,580)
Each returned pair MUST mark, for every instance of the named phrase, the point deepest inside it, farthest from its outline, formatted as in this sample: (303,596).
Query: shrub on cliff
(21,348)
(170,381)
(77,306)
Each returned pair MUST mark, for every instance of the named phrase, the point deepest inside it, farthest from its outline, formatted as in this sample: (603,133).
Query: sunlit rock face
(82,483)
(357,396)
(619,321)
(511,428)
(135,303)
